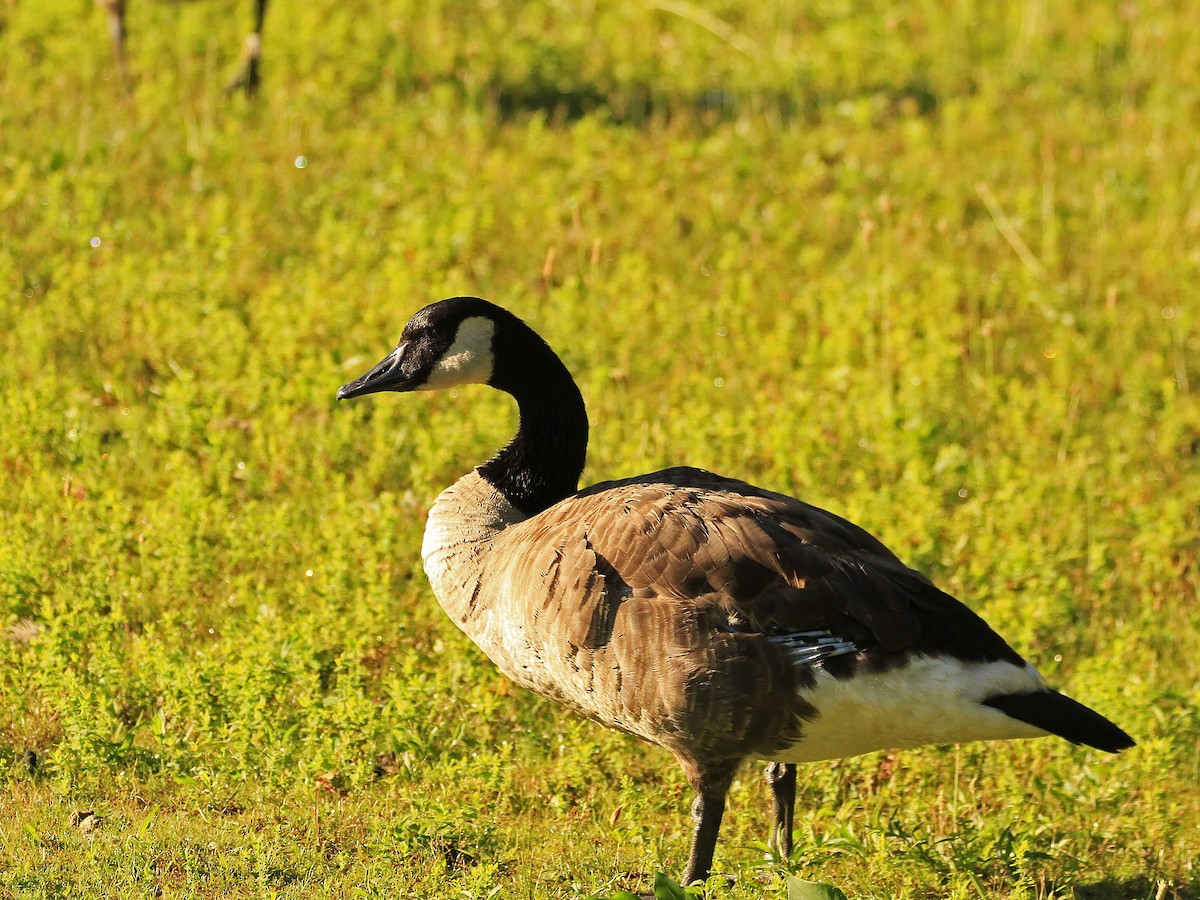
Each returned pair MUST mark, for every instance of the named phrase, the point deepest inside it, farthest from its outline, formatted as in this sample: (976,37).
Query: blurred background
(933,267)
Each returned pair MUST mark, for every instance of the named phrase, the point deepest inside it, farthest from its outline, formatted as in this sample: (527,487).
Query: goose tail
(1059,714)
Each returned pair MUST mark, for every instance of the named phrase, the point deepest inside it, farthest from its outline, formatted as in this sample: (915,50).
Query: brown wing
(650,604)
(723,553)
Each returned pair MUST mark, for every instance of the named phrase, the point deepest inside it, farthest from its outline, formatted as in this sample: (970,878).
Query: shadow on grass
(637,104)
(1135,889)
(25,761)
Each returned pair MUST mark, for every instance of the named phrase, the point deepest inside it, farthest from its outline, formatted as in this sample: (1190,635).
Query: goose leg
(782,779)
(248,78)
(706,813)
(711,784)
(115,10)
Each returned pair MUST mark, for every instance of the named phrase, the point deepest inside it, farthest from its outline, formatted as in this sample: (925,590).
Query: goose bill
(389,374)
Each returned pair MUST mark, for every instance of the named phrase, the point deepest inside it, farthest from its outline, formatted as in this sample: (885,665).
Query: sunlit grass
(933,269)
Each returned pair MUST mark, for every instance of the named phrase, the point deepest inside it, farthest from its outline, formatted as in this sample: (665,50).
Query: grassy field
(933,268)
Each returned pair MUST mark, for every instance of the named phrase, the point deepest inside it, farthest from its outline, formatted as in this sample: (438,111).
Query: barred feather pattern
(690,609)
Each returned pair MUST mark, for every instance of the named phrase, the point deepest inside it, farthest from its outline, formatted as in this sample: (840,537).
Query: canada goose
(248,77)
(714,618)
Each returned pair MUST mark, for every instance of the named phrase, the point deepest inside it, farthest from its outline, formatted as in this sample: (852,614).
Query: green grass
(935,269)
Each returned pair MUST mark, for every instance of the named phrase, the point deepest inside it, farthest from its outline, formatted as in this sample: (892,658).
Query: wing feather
(739,557)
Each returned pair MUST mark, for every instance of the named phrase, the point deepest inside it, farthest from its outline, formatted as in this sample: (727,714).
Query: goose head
(446,344)
(466,340)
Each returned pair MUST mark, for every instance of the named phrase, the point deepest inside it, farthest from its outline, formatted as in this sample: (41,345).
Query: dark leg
(782,779)
(706,813)
(711,784)
(248,78)
(115,10)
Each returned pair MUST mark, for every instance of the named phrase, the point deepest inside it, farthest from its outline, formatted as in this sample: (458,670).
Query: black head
(445,344)
(465,340)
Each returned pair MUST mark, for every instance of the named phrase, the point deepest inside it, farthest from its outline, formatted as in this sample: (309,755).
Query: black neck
(542,463)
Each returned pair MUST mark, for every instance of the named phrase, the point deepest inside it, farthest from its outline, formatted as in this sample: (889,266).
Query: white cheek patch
(469,359)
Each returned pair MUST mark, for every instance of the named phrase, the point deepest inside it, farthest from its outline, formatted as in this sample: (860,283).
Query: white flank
(469,359)
(932,700)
